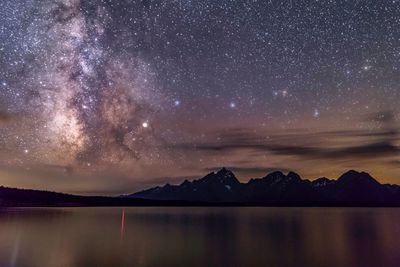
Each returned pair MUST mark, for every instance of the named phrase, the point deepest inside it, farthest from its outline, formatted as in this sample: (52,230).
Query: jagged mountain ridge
(278,188)
(223,188)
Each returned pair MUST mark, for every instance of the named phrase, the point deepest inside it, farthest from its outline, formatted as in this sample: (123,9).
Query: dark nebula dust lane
(107,96)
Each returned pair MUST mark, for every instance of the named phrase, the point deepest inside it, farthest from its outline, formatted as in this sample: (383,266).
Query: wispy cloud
(324,145)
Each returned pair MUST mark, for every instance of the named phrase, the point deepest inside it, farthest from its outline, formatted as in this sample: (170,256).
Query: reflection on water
(308,237)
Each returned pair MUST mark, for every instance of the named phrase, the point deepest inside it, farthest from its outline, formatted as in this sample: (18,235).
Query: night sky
(111,96)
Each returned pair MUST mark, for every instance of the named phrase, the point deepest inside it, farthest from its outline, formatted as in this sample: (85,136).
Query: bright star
(316,113)
(366,67)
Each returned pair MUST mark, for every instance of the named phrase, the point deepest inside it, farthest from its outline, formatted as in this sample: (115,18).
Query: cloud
(395,163)
(360,144)
(372,150)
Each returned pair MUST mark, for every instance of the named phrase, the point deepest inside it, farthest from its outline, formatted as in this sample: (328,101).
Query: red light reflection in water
(122,224)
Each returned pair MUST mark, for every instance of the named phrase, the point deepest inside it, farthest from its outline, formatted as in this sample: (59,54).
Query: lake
(187,236)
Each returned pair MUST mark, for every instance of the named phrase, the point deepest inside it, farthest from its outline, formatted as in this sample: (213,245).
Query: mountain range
(222,188)
(350,189)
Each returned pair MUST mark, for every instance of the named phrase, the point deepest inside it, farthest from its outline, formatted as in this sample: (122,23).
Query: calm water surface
(297,237)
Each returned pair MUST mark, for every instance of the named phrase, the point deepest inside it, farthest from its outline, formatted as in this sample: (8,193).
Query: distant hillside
(12,197)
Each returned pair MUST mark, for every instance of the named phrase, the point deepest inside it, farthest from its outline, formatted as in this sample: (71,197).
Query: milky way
(87,102)
(126,93)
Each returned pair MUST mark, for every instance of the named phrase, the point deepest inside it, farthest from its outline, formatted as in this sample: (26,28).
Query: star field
(115,94)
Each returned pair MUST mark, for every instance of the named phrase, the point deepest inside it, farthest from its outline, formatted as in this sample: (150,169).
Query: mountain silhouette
(222,188)
(214,187)
(276,188)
